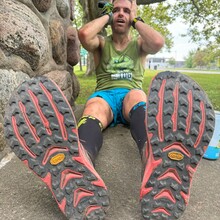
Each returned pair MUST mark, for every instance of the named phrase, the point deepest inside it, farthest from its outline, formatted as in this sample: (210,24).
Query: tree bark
(90,65)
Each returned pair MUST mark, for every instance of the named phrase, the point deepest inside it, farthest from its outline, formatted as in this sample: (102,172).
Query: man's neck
(121,41)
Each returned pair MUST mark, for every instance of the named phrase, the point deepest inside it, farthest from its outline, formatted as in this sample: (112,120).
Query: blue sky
(182,45)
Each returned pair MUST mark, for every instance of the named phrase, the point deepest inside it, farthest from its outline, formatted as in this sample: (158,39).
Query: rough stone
(2,139)
(76,88)
(9,80)
(58,41)
(16,63)
(63,7)
(35,39)
(23,34)
(73,55)
(42,5)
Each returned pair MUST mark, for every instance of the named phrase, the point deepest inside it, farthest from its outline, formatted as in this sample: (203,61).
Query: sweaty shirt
(119,69)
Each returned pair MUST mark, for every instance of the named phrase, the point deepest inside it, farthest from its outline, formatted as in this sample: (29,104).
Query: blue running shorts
(114,97)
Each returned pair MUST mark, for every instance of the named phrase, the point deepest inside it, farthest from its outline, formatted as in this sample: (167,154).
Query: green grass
(209,82)
(87,85)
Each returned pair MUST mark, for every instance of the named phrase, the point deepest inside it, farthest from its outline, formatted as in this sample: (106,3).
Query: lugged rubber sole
(180,123)
(41,129)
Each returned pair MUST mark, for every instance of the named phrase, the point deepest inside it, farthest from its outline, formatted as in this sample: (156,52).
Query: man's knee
(98,108)
(134,97)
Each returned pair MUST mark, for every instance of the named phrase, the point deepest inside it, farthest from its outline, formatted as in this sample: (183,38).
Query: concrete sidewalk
(23,196)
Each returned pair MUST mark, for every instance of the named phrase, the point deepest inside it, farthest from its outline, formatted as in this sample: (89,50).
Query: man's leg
(180,123)
(134,111)
(41,129)
(97,116)
(137,125)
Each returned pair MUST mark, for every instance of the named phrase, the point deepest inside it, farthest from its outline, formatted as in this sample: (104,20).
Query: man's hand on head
(106,7)
(133,13)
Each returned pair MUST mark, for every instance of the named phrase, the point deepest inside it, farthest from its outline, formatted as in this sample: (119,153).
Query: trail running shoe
(41,129)
(180,123)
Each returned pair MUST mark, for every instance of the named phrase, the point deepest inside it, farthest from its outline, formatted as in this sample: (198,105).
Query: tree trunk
(90,13)
(90,65)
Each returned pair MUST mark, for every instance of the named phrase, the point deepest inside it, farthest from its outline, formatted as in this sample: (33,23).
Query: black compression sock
(90,135)
(137,125)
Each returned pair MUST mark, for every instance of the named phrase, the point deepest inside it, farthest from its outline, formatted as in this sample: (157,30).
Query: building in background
(154,63)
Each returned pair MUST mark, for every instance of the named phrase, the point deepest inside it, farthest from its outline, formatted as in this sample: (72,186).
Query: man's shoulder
(104,40)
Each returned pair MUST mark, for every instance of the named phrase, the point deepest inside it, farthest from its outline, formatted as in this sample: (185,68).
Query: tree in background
(207,57)
(213,55)
(189,59)
(158,17)
(199,59)
(202,17)
(172,62)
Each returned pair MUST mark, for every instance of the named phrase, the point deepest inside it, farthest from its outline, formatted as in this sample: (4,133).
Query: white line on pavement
(6,159)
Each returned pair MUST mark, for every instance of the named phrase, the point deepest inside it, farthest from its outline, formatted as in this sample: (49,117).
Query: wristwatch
(135,20)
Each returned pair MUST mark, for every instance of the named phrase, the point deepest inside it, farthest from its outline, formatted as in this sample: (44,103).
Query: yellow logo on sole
(57,159)
(175,155)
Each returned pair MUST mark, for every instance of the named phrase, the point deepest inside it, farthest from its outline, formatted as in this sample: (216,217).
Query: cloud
(182,45)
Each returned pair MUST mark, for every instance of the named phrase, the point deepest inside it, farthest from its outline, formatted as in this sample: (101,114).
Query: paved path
(23,196)
(193,71)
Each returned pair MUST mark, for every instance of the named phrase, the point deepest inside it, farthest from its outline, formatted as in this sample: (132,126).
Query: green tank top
(119,69)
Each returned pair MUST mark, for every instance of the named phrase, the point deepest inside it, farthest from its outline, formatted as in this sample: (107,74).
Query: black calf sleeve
(137,124)
(90,135)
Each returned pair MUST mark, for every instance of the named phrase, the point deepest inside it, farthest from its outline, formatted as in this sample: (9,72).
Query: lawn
(209,82)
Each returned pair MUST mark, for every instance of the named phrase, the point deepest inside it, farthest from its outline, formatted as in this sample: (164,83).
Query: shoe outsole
(41,130)
(180,123)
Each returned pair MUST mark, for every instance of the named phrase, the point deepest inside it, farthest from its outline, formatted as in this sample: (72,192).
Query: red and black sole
(180,123)
(41,129)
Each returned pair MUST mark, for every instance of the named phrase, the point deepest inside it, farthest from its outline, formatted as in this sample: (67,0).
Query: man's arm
(88,34)
(150,40)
